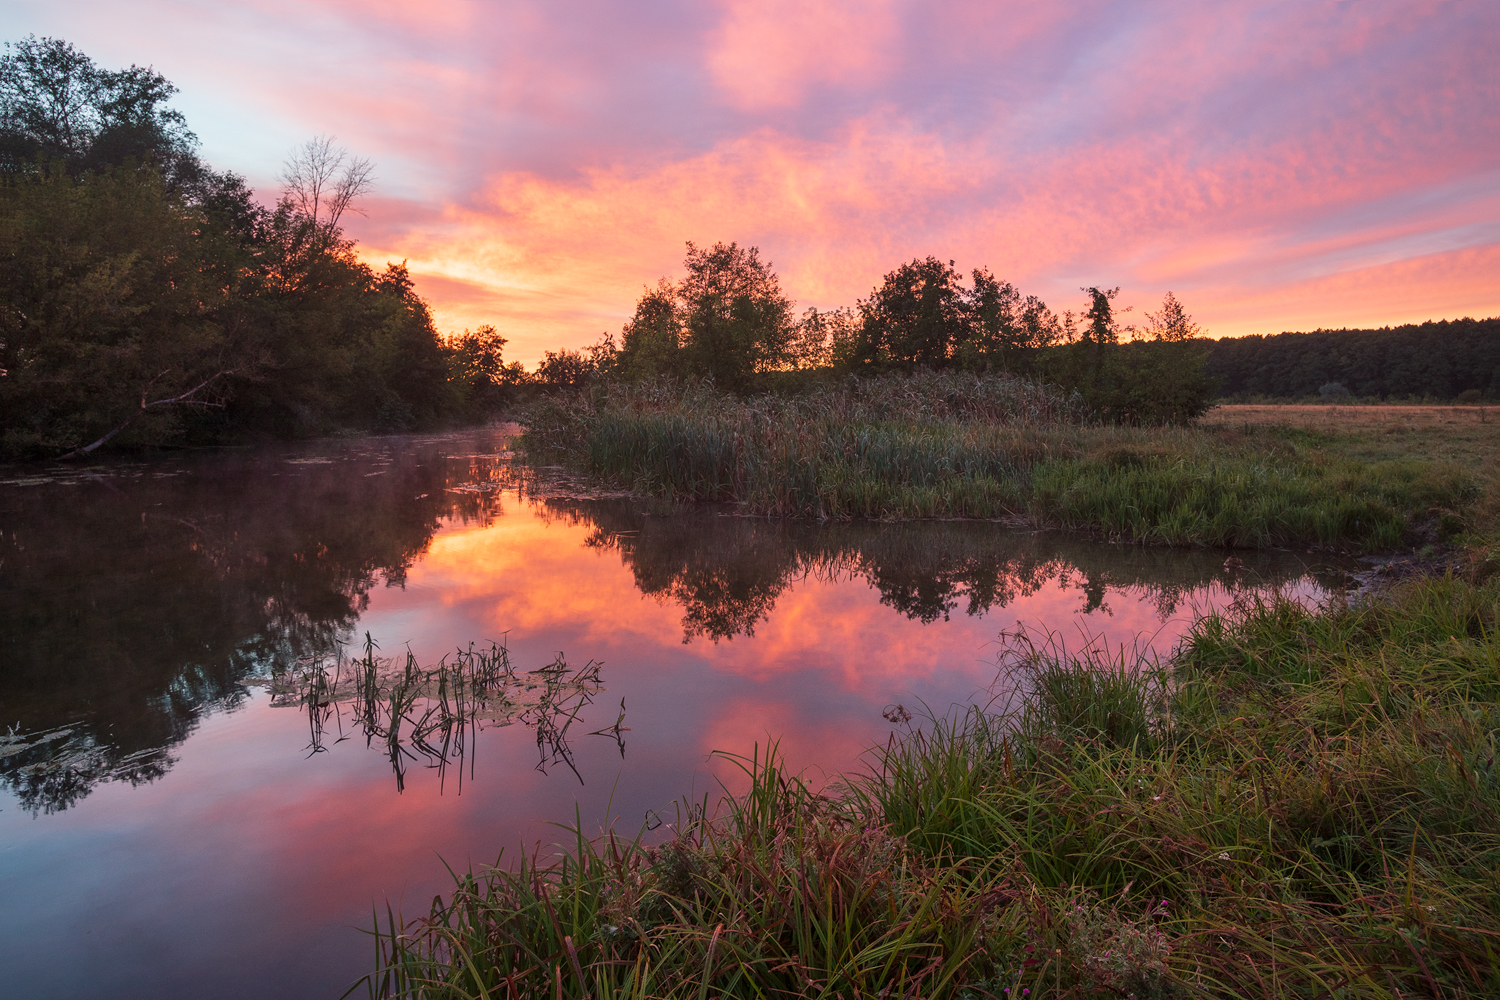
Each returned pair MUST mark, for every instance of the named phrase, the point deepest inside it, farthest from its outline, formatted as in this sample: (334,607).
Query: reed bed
(960,445)
(1302,803)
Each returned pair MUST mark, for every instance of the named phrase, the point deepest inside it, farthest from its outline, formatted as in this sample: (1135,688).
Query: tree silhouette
(322,180)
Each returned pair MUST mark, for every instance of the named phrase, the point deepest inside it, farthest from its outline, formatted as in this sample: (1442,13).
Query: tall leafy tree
(736,321)
(915,317)
(727,319)
(1003,330)
(651,342)
(55,104)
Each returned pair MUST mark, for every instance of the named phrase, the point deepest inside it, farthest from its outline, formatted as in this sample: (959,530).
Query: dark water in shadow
(202,789)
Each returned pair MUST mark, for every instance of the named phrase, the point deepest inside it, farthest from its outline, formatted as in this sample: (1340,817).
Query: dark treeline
(728,320)
(147,298)
(1445,360)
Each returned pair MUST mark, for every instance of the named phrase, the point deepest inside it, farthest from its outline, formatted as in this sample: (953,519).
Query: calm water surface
(174,823)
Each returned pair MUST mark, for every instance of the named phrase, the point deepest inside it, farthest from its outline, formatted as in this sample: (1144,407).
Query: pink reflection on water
(815,675)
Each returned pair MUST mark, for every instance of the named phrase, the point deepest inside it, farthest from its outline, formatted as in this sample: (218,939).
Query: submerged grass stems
(433,715)
(962,445)
(1302,803)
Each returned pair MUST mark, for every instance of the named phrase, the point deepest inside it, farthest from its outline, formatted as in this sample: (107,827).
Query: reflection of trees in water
(134,598)
(728,572)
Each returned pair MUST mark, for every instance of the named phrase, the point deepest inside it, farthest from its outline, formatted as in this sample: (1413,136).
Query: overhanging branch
(181,399)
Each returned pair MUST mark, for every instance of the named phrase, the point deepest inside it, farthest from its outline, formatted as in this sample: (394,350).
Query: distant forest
(1441,360)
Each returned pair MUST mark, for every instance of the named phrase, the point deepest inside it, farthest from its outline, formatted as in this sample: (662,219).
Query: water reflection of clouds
(728,631)
(470,547)
(245,847)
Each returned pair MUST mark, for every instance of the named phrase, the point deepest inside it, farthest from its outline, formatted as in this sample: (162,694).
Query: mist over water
(185,811)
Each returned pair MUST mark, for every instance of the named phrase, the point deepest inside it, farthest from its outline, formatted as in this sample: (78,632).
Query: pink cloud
(767,53)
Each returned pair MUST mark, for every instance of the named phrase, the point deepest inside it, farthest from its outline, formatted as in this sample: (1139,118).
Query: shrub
(1333,392)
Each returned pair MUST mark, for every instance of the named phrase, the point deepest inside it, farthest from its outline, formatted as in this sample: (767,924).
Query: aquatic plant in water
(433,715)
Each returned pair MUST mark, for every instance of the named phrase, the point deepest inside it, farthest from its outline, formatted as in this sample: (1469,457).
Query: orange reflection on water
(825,653)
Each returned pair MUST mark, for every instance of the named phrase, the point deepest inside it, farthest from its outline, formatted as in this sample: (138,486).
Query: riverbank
(1302,803)
(960,445)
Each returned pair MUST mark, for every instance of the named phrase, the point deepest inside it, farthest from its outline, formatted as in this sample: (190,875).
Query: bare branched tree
(322,180)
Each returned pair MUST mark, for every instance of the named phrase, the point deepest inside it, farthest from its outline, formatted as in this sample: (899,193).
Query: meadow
(955,444)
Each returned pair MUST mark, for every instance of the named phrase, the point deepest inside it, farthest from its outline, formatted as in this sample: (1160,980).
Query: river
(176,820)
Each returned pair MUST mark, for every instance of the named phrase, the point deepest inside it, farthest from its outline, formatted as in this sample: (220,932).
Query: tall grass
(962,445)
(1302,803)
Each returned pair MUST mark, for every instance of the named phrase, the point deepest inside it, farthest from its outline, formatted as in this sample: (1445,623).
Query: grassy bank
(959,445)
(1303,804)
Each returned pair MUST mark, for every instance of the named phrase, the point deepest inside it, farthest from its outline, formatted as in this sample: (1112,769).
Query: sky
(1276,165)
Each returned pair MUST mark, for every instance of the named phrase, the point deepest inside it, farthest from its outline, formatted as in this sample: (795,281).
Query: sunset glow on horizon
(1276,166)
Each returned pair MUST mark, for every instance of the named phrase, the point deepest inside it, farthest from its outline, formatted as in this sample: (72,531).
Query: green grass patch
(1301,804)
(961,445)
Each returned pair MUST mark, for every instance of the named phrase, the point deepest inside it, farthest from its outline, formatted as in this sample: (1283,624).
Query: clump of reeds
(956,444)
(1304,803)
(433,715)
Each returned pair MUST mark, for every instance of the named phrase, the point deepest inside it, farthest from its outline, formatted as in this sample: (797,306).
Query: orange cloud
(555,262)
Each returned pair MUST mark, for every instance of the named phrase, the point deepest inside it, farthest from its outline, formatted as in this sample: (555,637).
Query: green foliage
(923,316)
(727,320)
(56,105)
(128,312)
(340,345)
(735,320)
(955,444)
(113,295)
(1172,324)
(1138,383)
(145,299)
(914,318)
(651,341)
(1160,380)
(479,380)
(1004,330)
(568,369)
